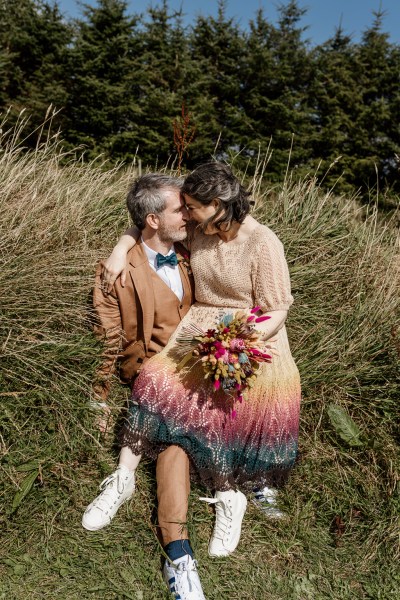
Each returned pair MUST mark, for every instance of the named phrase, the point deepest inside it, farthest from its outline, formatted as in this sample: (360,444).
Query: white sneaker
(117,488)
(182,579)
(229,512)
(265,500)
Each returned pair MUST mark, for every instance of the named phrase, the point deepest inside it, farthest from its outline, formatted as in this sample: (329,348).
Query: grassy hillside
(340,540)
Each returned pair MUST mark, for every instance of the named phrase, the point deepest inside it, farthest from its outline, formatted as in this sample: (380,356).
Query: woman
(237,264)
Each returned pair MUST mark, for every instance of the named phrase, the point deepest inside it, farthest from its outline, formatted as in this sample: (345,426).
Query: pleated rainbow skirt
(258,447)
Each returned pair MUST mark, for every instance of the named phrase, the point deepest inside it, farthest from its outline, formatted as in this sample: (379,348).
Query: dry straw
(58,216)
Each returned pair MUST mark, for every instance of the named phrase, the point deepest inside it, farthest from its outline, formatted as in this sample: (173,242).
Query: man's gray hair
(146,197)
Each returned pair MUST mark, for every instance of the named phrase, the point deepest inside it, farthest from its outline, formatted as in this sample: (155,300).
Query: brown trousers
(173,488)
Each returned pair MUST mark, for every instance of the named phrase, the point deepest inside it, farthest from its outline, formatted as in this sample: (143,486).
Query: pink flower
(251,318)
(264,318)
(237,344)
(255,351)
(255,309)
(216,384)
(225,357)
(233,414)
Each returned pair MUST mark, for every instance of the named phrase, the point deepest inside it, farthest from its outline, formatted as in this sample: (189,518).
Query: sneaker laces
(223,514)
(186,568)
(102,500)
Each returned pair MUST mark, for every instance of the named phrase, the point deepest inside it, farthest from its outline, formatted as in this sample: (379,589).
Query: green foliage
(25,488)
(34,43)
(275,91)
(120,81)
(217,52)
(163,72)
(344,426)
(378,136)
(102,111)
(335,101)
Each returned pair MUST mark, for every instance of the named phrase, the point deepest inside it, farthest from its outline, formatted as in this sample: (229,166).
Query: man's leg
(173,487)
(116,489)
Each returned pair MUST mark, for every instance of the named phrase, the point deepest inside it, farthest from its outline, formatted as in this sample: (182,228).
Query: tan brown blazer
(125,317)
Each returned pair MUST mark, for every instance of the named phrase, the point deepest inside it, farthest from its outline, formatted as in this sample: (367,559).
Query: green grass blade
(344,426)
(24,490)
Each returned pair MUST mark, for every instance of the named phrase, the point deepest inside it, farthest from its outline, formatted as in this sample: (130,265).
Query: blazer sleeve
(108,329)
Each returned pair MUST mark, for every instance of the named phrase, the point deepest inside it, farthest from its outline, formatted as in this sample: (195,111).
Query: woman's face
(200,213)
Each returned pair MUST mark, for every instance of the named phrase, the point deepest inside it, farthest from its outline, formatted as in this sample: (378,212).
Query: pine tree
(378,135)
(335,101)
(257,73)
(103,112)
(217,54)
(34,43)
(275,88)
(163,74)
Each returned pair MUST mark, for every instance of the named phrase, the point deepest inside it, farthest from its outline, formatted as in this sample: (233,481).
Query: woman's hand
(115,265)
(270,327)
(270,346)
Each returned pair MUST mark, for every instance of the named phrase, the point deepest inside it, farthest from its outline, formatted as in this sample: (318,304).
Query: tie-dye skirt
(168,407)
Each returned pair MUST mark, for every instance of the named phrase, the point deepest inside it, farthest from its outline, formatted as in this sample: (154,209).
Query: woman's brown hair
(215,181)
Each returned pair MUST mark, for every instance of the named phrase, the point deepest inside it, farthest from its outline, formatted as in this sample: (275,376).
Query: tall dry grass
(58,217)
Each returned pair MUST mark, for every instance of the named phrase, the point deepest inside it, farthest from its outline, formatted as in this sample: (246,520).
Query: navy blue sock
(178,548)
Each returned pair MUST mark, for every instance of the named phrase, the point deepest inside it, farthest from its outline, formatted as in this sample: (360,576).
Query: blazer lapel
(187,287)
(187,290)
(141,277)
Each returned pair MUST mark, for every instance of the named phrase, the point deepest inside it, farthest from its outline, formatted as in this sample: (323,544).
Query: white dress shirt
(168,273)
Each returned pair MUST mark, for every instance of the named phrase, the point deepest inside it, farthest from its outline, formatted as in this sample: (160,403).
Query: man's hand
(104,420)
(103,416)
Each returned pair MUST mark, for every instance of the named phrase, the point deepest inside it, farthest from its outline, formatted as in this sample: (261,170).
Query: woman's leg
(128,459)
(116,489)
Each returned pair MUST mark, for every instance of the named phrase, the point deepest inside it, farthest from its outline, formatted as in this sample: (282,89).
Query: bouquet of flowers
(230,353)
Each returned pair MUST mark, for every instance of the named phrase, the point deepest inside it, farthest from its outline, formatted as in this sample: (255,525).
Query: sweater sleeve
(271,282)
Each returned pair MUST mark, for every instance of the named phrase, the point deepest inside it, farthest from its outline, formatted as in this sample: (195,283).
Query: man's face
(172,221)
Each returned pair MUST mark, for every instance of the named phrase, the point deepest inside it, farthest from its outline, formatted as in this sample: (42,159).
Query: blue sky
(322,15)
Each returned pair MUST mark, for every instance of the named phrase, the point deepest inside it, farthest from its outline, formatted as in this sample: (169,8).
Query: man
(141,316)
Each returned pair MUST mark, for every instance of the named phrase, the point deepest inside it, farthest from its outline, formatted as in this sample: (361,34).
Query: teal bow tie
(162,260)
